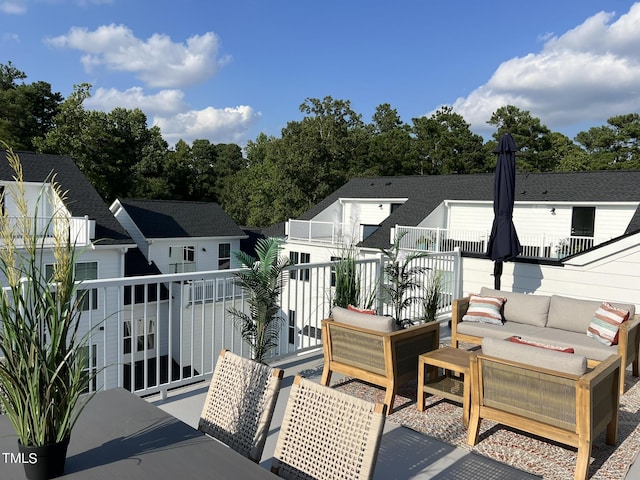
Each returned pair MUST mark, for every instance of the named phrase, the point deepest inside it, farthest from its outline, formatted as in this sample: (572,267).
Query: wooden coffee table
(445,384)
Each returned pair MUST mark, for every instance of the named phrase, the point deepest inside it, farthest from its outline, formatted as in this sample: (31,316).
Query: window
(141,344)
(583,221)
(305,273)
(368,230)
(293,259)
(292,327)
(182,258)
(90,366)
(88,271)
(224,256)
(83,271)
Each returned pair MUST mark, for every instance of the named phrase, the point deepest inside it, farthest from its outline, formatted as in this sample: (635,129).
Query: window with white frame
(296,258)
(89,361)
(83,271)
(144,340)
(182,258)
(224,256)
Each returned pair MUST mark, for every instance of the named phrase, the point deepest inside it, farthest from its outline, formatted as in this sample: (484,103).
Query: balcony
(328,233)
(539,245)
(81,229)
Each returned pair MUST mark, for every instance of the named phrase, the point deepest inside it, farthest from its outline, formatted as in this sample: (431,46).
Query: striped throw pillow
(484,310)
(533,343)
(606,322)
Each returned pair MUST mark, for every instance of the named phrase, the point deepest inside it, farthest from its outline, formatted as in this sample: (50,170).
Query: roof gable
(82,198)
(425,193)
(179,219)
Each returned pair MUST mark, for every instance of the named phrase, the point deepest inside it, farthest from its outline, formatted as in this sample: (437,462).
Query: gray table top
(121,436)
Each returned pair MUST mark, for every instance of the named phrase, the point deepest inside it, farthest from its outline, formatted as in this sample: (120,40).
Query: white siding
(535,219)
(206,252)
(609,273)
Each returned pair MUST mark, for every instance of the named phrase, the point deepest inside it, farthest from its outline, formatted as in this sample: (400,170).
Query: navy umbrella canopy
(503,241)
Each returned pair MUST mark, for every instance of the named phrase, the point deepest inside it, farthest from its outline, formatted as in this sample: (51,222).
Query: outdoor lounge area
(433,443)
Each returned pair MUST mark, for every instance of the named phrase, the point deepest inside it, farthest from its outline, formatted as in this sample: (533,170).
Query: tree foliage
(280,177)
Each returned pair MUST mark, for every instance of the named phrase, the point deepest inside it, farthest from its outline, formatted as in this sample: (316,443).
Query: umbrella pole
(497,273)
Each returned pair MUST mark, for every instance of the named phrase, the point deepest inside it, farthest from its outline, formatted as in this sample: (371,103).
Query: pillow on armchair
(363,320)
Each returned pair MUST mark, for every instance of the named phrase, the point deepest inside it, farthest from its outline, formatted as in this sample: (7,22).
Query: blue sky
(228,70)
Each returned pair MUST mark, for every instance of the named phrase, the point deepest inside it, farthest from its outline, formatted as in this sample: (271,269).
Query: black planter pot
(43,463)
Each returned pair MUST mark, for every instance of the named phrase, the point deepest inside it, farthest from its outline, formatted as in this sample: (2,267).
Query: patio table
(120,435)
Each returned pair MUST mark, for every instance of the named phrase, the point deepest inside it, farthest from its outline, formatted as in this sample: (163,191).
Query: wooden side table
(446,384)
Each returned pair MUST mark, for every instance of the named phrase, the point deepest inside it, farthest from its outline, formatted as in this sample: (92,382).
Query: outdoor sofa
(372,349)
(551,320)
(547,393)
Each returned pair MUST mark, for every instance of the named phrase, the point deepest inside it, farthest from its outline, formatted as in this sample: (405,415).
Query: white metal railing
(321,232)
(533,245)
(81,229)
(152,333)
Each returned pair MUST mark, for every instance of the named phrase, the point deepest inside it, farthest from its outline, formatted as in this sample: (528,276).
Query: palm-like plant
(402,277)
(262,280)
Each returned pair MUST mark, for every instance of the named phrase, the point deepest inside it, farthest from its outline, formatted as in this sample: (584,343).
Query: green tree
(26,110)
(444,144)
(533,139)
(613,146)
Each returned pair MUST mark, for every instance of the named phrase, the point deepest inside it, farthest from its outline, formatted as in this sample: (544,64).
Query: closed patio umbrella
(503,241)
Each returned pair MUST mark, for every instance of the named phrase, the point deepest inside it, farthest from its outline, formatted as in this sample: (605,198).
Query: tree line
(276,178)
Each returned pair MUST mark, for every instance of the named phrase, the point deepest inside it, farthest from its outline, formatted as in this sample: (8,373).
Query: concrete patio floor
(404,453)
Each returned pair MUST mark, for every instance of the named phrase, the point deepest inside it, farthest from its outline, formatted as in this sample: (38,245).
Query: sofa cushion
(537,357)
(582,344)
(499,331)
(575,314)
(522,307)
(484,309)
(606,322)
(363,320)
(534,343)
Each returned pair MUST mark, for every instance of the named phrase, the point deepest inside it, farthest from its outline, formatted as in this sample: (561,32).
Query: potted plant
(402,278)
(43,373)
(431,299)
(262,279)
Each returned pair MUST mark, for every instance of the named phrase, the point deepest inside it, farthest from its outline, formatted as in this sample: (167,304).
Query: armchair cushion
(363,320)
(538,357)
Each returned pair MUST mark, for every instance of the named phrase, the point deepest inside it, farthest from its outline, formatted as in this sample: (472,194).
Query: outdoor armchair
(543,392)
(327,434)
(384,358)
(240,403)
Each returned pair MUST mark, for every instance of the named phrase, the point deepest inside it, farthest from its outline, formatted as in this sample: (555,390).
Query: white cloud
(158,61)
(165,102)
(227,125)
(13,7)
(590,73)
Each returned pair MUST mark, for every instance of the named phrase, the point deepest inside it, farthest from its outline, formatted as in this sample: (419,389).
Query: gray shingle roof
(82,197)
(425,193)
(176,219)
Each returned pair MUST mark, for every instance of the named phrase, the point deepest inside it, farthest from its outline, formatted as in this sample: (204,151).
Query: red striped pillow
(516,339)
(484,310)
(361,310)
(606,322)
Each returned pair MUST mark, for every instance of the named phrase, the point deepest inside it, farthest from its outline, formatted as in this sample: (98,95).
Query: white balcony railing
(539,245)
(81,229)
(322,232)
(149,334)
